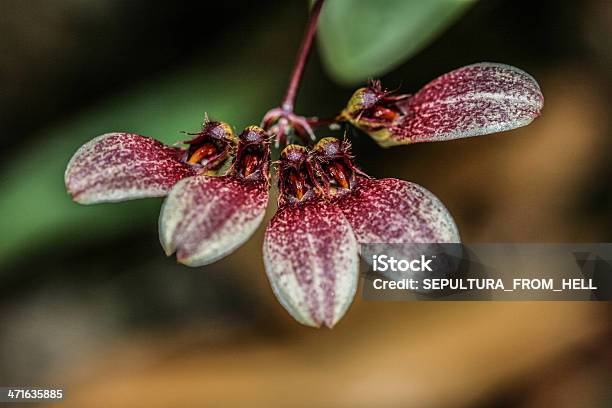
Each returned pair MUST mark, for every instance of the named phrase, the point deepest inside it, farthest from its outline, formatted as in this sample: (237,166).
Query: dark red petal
(205,218)
(123,166)
(470,101)
(311,259)
(396,211)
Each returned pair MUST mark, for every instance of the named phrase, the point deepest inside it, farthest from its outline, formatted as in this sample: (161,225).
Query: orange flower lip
(250,163)
(298,185)
(211,147)
(337,172)
(207,151)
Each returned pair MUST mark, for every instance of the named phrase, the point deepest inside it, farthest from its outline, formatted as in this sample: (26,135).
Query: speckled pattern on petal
(206,218)
(474,100)
(396,211)
(311,259)
(123,166)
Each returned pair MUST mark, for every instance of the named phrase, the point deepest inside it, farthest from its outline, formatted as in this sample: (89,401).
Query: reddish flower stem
(303,53)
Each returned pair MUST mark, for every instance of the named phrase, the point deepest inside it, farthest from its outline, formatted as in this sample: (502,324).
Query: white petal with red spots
(206,218)
(311,259)
(122,166)
(396,211)
(473,100)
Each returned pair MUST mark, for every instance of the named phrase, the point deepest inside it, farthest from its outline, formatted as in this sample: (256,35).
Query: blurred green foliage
(360,39)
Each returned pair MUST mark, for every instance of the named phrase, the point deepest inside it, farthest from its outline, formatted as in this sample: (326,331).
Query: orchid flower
(474,100)
(310,251)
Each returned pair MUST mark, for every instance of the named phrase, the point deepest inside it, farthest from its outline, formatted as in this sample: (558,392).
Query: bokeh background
(89,302)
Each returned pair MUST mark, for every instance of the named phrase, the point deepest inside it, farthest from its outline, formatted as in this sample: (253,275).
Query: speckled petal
(123,166)
(311,259)
(396,211)
(470,101)
(205,218)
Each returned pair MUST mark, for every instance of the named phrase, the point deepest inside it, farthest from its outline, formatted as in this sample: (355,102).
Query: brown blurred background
(98,309)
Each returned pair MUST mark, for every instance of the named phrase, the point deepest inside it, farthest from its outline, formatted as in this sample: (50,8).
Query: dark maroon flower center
(253,154)
(250,160)
(384,113)
(376,107)
(210,147)
(296,175)
(334,165)
(297,184)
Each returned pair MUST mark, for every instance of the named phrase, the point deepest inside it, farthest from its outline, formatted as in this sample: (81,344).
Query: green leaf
(33,202)
(360,39)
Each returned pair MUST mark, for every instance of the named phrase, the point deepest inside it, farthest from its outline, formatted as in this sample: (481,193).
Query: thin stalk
(302,57)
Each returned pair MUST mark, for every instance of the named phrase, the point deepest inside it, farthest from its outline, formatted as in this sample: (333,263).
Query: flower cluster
(216,187)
